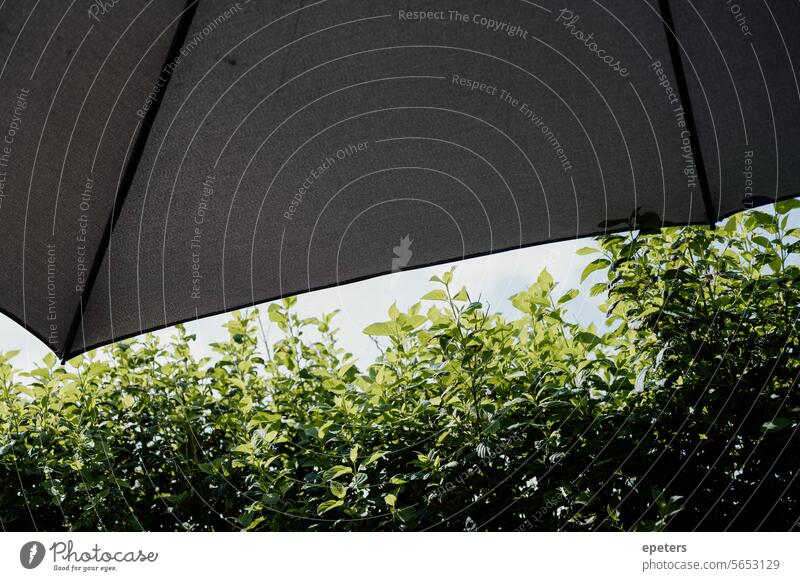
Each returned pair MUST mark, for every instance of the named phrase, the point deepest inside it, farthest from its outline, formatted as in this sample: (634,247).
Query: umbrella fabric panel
(303,147)
(73,82)
(741,61)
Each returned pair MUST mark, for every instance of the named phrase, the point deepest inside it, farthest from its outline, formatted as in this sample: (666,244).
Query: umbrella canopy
(163,161)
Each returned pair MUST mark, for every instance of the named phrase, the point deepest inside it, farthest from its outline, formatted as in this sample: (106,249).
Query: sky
(494,278)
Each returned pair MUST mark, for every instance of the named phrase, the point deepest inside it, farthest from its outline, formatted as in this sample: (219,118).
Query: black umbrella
(164,161)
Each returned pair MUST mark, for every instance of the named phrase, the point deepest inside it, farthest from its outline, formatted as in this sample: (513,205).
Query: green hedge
(681,414)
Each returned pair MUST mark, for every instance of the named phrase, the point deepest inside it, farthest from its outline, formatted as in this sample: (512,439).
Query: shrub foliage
(681,413)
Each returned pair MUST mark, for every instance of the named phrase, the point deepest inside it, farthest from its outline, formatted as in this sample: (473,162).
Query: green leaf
(374,458)
(76,361)
(435,295)
(545,278)
(390,500)
(382,329)
(787,206)
(50,360)
(730,225)
(276,314)
(337,471)
(586,250)
(597,289)
(328,505)
(338,489)
(462,296)
(776,425)
(568,296)
(762,241)
(763,219)
(594,266)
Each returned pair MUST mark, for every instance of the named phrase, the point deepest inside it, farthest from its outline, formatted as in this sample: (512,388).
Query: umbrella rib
(181,31)
(683,91)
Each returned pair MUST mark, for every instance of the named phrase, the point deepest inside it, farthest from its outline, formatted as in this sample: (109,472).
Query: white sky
(493,278)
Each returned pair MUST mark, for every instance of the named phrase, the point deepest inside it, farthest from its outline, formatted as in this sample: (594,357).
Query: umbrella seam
(686,102)
(129,173)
